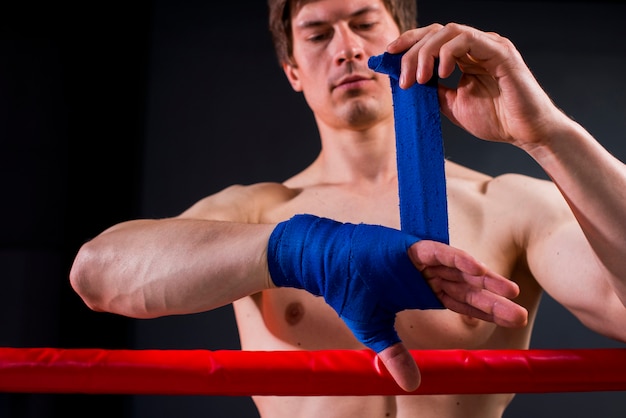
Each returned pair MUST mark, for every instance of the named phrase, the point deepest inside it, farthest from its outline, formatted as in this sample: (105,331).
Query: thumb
(401,365)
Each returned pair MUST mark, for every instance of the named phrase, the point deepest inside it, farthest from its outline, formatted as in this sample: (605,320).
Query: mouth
(352,81)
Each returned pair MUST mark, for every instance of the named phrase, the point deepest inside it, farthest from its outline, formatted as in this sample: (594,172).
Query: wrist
(560,138)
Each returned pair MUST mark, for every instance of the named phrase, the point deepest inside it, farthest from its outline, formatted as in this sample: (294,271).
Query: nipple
(294,313)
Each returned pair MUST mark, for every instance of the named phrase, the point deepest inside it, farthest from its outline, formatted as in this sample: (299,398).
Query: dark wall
(139,110)
(72,94)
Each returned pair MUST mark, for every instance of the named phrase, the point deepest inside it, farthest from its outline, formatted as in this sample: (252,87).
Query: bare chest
(288,319)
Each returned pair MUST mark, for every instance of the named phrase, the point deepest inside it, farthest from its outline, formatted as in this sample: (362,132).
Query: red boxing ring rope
(305,373)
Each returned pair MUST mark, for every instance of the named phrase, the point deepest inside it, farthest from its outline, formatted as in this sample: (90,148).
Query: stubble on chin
(361,112)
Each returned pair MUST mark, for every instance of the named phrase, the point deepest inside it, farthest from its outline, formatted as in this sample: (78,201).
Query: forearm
(151,268)
(593,183)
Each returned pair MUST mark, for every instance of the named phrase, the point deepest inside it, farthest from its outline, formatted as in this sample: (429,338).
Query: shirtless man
(565,237)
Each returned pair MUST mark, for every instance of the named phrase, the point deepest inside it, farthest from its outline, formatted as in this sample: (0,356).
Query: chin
(362,114)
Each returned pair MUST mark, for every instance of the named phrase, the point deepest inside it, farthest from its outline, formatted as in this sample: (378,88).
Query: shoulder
(527,192)
(504,188)
(534,209)
(241,203)
(526,205)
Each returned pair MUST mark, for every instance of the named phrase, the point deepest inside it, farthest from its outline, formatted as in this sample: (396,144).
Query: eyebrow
(316,23)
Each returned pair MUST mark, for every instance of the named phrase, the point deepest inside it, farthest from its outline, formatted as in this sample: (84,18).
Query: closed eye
(365,26)
(319,37)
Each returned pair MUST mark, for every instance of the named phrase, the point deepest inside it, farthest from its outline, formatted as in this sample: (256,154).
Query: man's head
(404,13)
(329,44)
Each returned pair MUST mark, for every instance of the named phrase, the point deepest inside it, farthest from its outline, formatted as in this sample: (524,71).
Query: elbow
(83,278)
(96,278)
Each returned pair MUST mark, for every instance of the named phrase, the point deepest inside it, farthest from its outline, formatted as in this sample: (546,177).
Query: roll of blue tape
(419,150)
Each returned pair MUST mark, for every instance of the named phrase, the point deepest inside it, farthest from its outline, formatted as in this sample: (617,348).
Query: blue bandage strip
(362,271)
(419,150)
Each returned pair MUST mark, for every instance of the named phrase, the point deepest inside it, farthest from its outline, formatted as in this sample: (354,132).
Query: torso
(482,222)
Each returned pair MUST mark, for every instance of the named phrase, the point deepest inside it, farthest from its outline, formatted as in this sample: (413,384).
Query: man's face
(332,42)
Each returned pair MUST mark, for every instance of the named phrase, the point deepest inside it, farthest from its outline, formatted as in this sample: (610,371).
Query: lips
(351,80)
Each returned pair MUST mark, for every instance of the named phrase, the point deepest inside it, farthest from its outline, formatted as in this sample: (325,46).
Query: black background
(113,111)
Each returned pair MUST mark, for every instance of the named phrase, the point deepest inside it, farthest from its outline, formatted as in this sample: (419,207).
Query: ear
(291,71)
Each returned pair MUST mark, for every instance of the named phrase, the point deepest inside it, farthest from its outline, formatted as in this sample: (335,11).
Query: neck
(358,155)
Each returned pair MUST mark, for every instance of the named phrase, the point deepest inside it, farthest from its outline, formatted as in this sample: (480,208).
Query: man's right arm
(209,256)
(216,252)
(152,268)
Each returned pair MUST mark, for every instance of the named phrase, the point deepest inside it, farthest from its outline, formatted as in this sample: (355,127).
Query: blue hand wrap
(362,271)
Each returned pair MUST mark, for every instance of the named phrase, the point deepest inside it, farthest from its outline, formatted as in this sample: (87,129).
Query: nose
(349,45)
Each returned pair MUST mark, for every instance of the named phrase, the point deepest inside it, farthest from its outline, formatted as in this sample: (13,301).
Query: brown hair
(404,13)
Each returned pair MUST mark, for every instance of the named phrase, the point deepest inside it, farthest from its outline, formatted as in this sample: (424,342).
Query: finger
(417,66)
(509,314)
(408,67)
(427,253)
(432,258)
(413,62)
(410,38)
(490,281)
(499,285)
(402,367)
(482,304)
(514,317)
(464,309)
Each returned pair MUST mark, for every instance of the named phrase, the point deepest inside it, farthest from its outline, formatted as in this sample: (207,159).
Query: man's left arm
(593,183)
(498,99)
